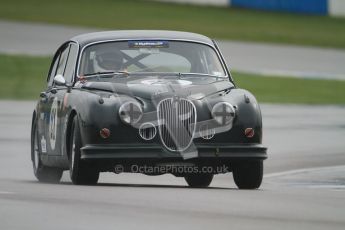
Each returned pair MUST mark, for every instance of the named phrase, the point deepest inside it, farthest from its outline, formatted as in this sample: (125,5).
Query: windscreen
(151,56)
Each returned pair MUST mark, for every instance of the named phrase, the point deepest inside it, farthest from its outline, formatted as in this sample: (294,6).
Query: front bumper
(157,152)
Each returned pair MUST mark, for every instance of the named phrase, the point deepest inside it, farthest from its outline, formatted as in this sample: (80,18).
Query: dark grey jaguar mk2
(150,102)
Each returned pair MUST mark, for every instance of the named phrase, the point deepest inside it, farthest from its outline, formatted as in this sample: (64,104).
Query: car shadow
(154,186)
(125,185)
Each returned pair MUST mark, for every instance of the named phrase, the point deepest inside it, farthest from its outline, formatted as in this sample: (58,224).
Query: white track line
(300,171)
(5,192)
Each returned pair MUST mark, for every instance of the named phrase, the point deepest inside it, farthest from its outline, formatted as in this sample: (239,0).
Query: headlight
(130,112)
(223,113)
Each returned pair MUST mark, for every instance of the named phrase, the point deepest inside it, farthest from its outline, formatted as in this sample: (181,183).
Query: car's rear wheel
(81,171)
(42,172)
(248,174)
(198,180)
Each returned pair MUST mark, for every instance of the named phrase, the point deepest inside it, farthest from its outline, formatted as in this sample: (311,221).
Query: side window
(71,63)
(62,62)
(52,71)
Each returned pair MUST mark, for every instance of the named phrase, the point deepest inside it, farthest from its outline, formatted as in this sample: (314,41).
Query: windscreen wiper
(181,75)
(107,74)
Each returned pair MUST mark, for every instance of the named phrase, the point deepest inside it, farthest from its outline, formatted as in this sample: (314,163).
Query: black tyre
(81,172)
(248,174)
(42,173)
(198,180)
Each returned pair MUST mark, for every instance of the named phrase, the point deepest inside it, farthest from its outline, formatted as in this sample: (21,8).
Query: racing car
(145,101)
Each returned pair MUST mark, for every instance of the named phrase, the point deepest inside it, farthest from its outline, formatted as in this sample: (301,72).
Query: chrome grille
(177,118)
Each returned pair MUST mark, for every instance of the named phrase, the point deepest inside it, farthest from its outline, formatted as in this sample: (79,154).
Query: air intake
(147,131)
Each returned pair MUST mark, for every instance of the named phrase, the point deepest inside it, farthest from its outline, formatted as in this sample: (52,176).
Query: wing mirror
(59,80)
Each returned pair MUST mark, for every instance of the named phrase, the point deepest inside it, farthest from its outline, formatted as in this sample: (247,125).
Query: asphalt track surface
(303,188)
(280,60)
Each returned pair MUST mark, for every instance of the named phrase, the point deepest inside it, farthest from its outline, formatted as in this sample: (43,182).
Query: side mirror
(59,80)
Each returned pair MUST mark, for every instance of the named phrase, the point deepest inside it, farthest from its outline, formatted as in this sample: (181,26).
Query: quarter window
(52,71)
(71,62)
(62,62)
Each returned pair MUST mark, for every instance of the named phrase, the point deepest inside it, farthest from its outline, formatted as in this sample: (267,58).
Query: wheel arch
(71,116)
(34,115)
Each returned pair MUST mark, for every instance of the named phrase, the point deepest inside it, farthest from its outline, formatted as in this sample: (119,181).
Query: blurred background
(304,39)
(289,53)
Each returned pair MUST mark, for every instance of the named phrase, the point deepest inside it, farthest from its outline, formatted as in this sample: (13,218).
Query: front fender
(96,112)
(247,115)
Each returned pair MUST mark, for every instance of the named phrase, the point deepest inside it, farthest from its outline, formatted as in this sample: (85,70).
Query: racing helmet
(108,59)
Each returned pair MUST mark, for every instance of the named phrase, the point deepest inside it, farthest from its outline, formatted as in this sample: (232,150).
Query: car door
(54,103)
(44,106)
(62,95)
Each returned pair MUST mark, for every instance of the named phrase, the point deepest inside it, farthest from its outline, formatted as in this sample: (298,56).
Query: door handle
(53,90)
(44,97)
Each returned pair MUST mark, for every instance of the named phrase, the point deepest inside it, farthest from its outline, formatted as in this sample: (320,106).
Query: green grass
(292,90)
(23,77)
(221,23)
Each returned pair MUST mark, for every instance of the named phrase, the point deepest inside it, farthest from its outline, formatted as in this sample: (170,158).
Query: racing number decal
(53,123)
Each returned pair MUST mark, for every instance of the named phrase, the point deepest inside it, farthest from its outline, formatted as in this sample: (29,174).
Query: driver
(108,59)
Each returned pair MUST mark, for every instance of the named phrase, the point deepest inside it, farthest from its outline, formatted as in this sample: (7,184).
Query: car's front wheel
(198,180)
(81,172)
(42,173)
(248,174)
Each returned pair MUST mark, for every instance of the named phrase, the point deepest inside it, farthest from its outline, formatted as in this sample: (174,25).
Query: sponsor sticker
(42,116)
(148,44)
(43,145)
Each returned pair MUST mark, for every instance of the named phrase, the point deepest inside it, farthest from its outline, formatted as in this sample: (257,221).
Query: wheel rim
(36,153)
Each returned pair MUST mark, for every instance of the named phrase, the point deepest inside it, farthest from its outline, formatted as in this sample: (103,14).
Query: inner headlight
(130,112)
(223,113)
